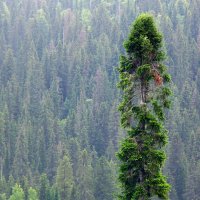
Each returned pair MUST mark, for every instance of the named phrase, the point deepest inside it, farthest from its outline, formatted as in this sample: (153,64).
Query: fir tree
(3,196)
(64,178)
(32,194)
(145,85)
(104,187)
(85,181)
(17,193)
(44,188)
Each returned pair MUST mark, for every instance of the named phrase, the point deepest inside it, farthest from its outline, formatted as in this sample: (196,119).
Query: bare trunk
(144,94)
(119,11)
(1,168)
(90,4)
(142,180)
(63,36)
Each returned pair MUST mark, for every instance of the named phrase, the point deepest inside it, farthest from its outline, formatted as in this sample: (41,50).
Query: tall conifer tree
(64,178)
(145,84)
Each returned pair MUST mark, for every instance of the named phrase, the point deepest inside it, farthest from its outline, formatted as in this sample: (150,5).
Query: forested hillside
(59,123)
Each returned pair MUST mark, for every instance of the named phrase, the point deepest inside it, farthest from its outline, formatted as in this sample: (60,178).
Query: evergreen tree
(17,193)
(3,196)
(104,181)
(10,185)
(20,166)
(44,188)
(64,178)
(143,79)
(3,186)
(32,194)
(54,193)
(85,182)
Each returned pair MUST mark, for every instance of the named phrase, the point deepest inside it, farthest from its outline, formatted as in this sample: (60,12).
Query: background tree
(3,196)
(85,180)
(64,178)
(143,79)
(104,187)
(32,194)
(44,188)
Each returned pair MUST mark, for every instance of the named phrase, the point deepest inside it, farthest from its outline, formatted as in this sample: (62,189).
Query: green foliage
(104,187)
(141,153)
(44,188)
(3,196)
(64,178)
(32,194)
(144,41)
(58,94)
(85,181)
(17,193)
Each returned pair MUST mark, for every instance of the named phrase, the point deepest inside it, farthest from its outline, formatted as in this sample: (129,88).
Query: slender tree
(44,188)
(145,84)
(64,178)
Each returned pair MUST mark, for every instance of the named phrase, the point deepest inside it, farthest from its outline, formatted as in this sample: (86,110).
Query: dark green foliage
(141,79)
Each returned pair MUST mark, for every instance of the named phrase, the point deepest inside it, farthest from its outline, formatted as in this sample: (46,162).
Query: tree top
(145,40)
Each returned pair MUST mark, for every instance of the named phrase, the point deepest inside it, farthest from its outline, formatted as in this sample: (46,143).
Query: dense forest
(59,122)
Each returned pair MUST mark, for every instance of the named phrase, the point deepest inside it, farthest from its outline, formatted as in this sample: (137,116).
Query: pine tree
(54,193)
(20,166)
(145,85)
(3,196)
(64,178)
(104,180)
(85,181)
(17,193)
(32,194)
(44,188)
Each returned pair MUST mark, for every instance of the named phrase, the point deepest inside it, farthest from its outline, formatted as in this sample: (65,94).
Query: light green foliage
(54,193)
(86,18)
(17,193)
(32,194)
(3,196)
(5,12)
(142,108)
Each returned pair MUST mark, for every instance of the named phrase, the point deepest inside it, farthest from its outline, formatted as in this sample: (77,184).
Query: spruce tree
(64,178)
(145,84)
(32,194)
(17,193)
(44,188)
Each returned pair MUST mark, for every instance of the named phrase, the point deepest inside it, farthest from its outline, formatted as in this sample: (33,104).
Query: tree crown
(145,41)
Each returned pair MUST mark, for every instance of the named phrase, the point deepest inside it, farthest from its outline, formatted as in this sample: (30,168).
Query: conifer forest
(71,73)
